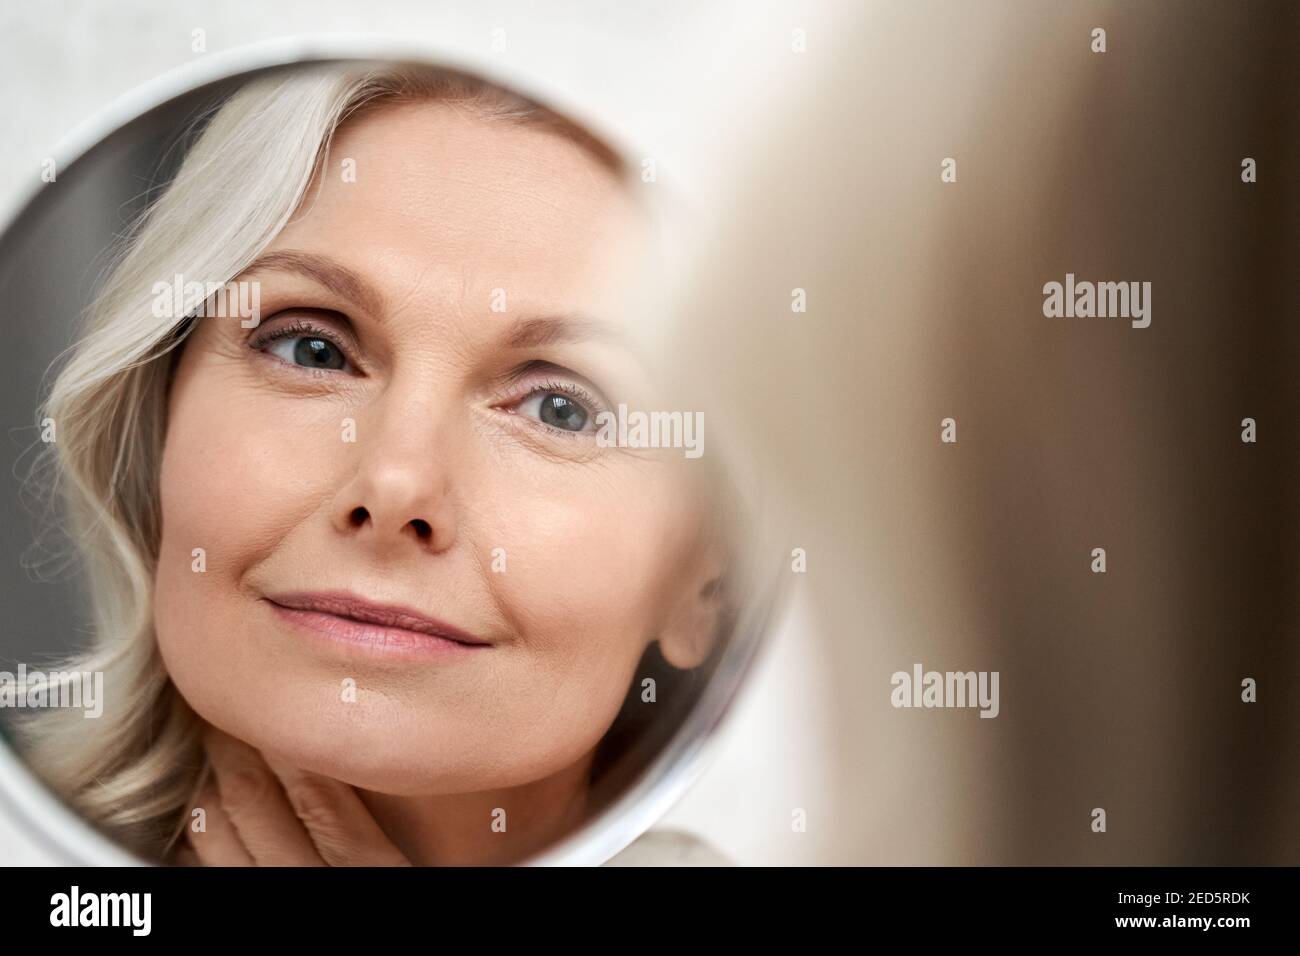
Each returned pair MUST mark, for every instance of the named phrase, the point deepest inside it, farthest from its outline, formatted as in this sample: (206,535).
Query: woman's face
(420,572)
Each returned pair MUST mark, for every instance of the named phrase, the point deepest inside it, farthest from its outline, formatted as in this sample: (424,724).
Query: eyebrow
(323,270)
(535,332)
(559,330)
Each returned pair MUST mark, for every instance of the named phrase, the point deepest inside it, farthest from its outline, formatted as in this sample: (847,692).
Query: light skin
(472,492)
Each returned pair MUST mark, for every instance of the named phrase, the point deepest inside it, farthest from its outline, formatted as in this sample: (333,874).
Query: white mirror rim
(52,825)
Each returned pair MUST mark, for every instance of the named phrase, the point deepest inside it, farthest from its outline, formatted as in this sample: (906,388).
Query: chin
(364,753)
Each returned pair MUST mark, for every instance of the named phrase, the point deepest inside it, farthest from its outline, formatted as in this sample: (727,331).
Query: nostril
(358,517)
(422,529)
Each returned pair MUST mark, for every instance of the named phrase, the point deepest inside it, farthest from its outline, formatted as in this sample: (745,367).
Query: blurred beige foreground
(1120,690)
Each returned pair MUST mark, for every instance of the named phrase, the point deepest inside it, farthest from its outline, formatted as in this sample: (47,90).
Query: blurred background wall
(810,137)
(1118,690)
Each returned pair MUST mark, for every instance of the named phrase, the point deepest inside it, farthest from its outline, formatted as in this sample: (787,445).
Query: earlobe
(690,634)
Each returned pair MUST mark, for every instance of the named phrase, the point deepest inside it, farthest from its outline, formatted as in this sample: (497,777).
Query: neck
(488,827)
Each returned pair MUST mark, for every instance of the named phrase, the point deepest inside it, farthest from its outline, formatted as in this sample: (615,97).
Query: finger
(256,805)
(217,843)
(182,853)
(338,822)
(185,856)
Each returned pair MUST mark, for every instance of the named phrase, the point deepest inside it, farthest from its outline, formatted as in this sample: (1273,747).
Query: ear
(692,628)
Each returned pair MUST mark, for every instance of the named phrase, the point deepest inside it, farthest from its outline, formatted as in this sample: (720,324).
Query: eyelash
(302,327)
(588,402)
(296,329)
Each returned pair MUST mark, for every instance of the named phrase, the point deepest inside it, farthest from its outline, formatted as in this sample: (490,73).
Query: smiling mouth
(346,617)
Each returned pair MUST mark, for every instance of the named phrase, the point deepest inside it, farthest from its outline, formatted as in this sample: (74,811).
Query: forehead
(432,194)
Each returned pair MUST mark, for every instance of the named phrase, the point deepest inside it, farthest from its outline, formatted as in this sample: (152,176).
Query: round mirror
(362,516)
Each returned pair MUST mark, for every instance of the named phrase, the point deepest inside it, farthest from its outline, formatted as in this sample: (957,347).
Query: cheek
(231,485)
(589,562)
(581,577)
(234,479)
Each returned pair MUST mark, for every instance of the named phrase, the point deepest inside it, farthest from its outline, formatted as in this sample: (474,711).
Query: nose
(399,498)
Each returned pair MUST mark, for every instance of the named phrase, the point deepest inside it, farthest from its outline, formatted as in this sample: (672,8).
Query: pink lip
(344,617)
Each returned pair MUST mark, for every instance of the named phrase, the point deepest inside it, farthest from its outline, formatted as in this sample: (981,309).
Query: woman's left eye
(558,410)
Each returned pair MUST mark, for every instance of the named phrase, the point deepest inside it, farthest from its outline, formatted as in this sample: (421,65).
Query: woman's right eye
(309,351)
(305,344)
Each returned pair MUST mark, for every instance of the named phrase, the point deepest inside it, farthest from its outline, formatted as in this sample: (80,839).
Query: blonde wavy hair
(135,770)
